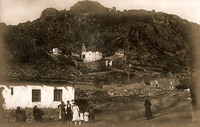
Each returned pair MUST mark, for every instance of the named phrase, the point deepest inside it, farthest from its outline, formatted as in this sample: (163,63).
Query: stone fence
(49,115)
(145,91)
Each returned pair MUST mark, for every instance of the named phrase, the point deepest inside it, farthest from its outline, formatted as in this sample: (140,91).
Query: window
(36,95)
(57,95)
(12,91)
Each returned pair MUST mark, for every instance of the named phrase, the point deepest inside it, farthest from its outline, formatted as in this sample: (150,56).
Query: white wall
(91,56)
(110,63)
(22,96)
(55,50)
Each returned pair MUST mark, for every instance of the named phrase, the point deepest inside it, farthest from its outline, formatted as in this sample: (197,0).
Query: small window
(83,56)
(57,95)
(36,95)
(12,91)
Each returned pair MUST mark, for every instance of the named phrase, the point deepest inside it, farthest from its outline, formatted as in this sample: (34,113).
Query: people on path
(75,110)
(86,116)
(62,111)
(148,112)
(37,113)
(80,117)
(91,114)
(68,113)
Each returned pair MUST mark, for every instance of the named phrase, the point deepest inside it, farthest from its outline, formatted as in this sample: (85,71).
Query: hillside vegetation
(155,43)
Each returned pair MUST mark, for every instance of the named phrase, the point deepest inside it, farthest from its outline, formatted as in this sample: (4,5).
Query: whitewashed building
(30,94)
(120,52)
(91,56)
(55,50)
(108,63)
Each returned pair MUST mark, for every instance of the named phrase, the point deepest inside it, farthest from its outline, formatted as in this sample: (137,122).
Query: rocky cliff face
(155,43)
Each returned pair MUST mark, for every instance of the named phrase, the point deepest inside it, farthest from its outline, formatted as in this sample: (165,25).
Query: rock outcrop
(153,42)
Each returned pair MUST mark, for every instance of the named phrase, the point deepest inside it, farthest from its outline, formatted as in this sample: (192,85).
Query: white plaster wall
(110,64)
(22,96)
(91,56)
(55,50)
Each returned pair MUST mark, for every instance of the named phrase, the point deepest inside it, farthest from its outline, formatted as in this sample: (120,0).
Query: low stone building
(27,94)
(120,52)
(75,54)
(57,51)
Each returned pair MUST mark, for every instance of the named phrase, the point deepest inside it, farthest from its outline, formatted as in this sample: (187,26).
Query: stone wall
(137,92)
(96,66)
(50,114)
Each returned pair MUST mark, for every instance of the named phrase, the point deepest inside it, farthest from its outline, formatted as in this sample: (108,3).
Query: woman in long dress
(62,111)
(75,110)
(37,113)
(91,114)
(148,112)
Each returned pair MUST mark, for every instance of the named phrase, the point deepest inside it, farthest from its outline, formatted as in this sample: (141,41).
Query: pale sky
(13,12)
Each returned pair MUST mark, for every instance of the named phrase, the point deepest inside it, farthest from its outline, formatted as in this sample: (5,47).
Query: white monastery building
(90,56)
(31,94)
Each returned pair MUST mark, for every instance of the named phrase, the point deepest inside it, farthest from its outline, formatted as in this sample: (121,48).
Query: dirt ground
(169,110)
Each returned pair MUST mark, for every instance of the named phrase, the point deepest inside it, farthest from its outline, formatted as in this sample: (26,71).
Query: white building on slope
(29,94)
(90,56)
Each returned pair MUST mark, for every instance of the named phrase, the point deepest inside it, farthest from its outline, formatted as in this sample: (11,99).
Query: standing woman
(75,110)
(62,111)
(37,113)
(68,115)
(148,112)
(91,114)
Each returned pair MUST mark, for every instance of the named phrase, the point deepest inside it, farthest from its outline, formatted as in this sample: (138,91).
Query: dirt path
(170,110)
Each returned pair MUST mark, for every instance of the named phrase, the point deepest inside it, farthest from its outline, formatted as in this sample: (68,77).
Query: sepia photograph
(99,63)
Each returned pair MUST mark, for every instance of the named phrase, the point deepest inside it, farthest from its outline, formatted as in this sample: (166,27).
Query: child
(80,118)
(86,116)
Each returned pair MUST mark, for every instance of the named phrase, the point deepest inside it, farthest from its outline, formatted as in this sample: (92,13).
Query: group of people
(20,114)
(71,113)
(68,113)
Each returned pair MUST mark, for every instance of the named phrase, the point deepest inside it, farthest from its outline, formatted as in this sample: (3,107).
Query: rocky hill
(155,43)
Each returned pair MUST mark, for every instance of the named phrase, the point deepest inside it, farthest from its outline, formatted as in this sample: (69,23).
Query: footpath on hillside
(169,110)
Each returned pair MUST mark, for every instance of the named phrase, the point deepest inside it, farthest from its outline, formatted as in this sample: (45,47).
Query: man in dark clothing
(37,113)
(68,115)
(62,111)
(148,112)
(91,114)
